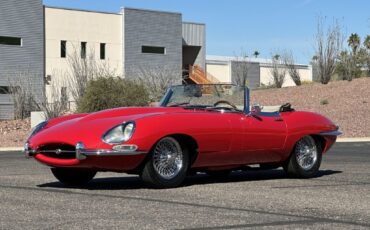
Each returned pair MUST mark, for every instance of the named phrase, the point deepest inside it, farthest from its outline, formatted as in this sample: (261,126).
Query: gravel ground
(345,103)
(14,133)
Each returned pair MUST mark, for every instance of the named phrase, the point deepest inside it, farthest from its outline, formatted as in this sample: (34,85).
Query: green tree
(110,92)
(367,47)
(354,42)
(367,42)
(256,54)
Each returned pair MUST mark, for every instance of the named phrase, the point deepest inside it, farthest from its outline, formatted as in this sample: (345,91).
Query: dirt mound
(345,103)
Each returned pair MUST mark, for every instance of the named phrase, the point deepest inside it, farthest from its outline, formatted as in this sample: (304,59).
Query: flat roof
(149,10)
(224,59)
(195,23)
(83,10)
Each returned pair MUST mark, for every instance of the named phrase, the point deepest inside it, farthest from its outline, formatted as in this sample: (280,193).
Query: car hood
(89,128)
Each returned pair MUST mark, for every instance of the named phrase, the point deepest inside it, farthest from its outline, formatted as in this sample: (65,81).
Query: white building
(224,69)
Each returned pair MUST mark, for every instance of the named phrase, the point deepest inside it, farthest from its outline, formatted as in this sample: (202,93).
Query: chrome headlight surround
(37,129)
(119,133)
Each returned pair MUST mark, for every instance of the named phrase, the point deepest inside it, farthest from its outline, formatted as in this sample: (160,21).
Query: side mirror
(256,109)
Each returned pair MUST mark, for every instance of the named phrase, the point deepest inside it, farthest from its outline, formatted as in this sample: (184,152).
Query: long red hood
(88,128)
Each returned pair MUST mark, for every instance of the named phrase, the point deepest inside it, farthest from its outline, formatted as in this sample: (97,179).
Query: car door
(264,136)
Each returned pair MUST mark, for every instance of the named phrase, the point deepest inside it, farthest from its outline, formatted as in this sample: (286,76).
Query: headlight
(37,128)
(119,133)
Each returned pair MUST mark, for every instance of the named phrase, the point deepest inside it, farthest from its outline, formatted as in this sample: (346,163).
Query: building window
(4,90)
(153,49)
(102,51)
(63,49)
(83,50)
(10,41)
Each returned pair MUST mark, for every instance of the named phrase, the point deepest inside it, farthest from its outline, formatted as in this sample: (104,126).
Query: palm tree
(354,42)
(276,57)
(367,42)
(256,53)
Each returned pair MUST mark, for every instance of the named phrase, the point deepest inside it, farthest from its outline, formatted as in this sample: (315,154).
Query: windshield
(217,96)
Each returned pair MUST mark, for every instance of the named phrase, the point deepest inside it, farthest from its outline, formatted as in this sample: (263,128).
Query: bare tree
(54,102)
(289,62)
(82,70)
(328,43)
(240,68)
(25,99)
(21,90)
(278,71)
(155,79)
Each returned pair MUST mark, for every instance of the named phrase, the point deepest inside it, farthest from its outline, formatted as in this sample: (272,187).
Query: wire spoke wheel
(167,158)
(306,153)
(305,160)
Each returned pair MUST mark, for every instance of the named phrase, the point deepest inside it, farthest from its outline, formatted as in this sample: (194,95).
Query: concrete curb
(354,139)
(341,140)
(10,149)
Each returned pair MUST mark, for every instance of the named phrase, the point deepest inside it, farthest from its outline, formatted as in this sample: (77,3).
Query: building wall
(259,71)
(76,26)
(220,71)
(253,75)
(152,28)
(266,77)
(194,34)
(23,19)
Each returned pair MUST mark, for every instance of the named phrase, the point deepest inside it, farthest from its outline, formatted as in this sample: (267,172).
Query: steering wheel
(225,102)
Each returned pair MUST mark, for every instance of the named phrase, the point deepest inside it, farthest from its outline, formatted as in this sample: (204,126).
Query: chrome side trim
(108,152)
(82,153)
(331,133)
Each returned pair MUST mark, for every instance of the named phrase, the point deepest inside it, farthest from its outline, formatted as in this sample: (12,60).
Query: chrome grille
(60,151)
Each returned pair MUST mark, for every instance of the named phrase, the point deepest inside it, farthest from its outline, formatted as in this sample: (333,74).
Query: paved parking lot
(339,198)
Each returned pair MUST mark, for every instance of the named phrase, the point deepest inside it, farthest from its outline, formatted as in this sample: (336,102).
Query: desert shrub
(104,93)
(324,102)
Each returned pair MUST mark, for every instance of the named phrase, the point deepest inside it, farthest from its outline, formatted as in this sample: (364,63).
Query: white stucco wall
(267,79)
(220,71)
(75,26)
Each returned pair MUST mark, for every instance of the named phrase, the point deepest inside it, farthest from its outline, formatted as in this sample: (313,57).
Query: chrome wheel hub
(306,153)
(167,158)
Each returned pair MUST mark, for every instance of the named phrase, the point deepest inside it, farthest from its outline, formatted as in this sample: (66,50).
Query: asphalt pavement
(338,198)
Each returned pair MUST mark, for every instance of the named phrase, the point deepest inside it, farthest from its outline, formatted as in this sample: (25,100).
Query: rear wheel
(73,177)
(305,160)
(167,165)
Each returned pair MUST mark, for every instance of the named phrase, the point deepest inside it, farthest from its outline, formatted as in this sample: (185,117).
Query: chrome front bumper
(82,153)
(331,133)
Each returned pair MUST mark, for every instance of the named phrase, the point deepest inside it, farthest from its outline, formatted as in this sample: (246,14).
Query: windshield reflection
(217,96)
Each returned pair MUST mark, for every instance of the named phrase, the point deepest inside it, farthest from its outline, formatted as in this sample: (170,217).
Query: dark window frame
(63,49)
(153,49)
(102,51)
(83,50)
(11,41)
(5,89)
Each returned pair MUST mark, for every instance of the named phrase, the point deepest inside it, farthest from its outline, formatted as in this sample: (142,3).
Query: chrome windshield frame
(167,96)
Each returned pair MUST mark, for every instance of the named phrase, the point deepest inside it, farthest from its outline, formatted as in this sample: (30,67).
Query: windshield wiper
(179,104)
(224,108)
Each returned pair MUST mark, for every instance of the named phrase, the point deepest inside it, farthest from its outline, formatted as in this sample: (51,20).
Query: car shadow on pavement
(134,182)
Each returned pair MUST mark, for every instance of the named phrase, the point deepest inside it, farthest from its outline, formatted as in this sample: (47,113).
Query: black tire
(219,174)
(73,177)
(294,167)
(152,173)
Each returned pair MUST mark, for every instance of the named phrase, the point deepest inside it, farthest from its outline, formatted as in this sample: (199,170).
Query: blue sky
(268,26)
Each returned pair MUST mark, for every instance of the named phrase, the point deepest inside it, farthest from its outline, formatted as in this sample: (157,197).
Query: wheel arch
(185,141)
(320,140)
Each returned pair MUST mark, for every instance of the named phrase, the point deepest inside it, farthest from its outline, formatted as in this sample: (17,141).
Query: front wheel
(305,160)
(167,165)
(73,177)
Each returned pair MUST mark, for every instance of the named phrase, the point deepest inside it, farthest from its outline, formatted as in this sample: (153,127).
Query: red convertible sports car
(196,128)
